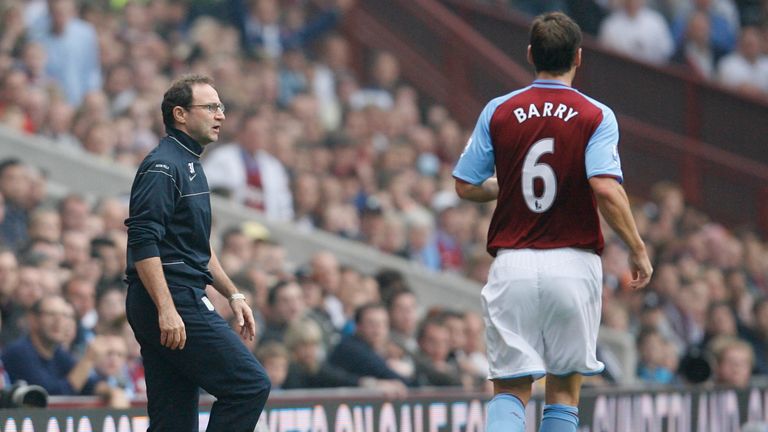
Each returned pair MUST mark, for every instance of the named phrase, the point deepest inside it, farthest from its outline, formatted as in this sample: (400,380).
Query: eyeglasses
(212,108)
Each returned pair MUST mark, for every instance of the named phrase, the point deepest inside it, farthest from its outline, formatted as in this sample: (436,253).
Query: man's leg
(561,412)
(216,359)
(506,411)
(172,399)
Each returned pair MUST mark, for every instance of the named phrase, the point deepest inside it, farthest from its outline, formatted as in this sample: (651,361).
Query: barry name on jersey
(546,110)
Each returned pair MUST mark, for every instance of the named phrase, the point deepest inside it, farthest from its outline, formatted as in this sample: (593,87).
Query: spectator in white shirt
(251,175)
(746,69)
(638,31)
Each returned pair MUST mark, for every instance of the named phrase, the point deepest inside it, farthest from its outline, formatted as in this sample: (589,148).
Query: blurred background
(334,208)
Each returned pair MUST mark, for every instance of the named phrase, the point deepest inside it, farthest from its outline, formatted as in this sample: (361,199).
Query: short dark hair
(555,38)
(180,94)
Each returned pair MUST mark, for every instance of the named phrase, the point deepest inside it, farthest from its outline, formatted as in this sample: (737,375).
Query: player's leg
(561,412)
(571,302)
(510,309)
(506,411)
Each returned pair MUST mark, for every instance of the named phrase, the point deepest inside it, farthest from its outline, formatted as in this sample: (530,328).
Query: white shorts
(542,312)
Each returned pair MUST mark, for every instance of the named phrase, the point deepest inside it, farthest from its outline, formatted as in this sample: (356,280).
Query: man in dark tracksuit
(185,344)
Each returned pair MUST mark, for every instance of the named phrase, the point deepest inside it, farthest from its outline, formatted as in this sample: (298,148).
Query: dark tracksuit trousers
(214,358)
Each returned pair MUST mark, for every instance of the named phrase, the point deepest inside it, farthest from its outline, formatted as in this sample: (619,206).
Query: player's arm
(484,192)
(227,288)
(474,171)
(153,200)
(614,206)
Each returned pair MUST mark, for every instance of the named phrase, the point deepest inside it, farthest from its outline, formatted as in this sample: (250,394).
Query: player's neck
(566,78)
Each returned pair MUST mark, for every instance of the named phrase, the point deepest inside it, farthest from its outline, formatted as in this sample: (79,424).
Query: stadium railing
(639,408)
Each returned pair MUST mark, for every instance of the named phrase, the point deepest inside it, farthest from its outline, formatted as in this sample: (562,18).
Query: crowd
(724,41)
(307,141)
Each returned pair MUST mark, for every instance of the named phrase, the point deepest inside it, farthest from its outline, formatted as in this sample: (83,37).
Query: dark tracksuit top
(170,213)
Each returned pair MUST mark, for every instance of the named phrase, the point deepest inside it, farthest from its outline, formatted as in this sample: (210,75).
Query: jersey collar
(550,83)
(185,141)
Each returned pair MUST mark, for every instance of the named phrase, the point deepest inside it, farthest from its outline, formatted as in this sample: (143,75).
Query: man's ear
(179,115)
(577,58)
(529,56)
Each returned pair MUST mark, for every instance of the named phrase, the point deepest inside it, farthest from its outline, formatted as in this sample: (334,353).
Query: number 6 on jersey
(533,170)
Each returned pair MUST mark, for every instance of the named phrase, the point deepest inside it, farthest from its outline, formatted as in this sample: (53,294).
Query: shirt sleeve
(602,154)
(477,162)
(153,200)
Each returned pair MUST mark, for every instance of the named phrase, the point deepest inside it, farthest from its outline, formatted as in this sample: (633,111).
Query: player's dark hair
(555,39)
(180,94)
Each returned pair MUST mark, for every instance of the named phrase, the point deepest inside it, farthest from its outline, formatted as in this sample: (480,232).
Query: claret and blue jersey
(543,142)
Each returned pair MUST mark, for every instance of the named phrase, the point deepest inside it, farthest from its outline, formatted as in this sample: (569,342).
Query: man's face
(735,367)
(52,321)
(404,314)
(374,328)
(199,123)
(289,304)
(82,295)
(436,342)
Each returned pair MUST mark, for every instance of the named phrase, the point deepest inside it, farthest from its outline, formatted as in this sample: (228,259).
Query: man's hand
(173,334)
(641,269)
(244,317)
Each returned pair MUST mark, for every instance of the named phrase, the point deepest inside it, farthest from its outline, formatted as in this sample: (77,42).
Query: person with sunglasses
(185,343)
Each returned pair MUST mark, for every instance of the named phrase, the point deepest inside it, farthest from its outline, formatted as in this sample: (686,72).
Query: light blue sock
(506,413)
(559,418)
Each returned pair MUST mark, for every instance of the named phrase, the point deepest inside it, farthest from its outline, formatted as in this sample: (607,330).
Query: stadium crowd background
(308,140)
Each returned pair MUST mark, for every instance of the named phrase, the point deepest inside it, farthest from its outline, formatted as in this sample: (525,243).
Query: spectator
(327,273)
(267,37)
(637,31)
(81,294)
(15,188)
(363,353)
(651,366)
(274,357)
(695,50)
(39,358)
(403,319)
(433,367)
(286,305)
(249,173)
(722,23)
(72,49)
(308,368)
(111,369)
(733,361)
(745,69)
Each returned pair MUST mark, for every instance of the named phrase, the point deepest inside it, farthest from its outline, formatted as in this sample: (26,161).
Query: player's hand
(244,317)
(641,268)
(173,334)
